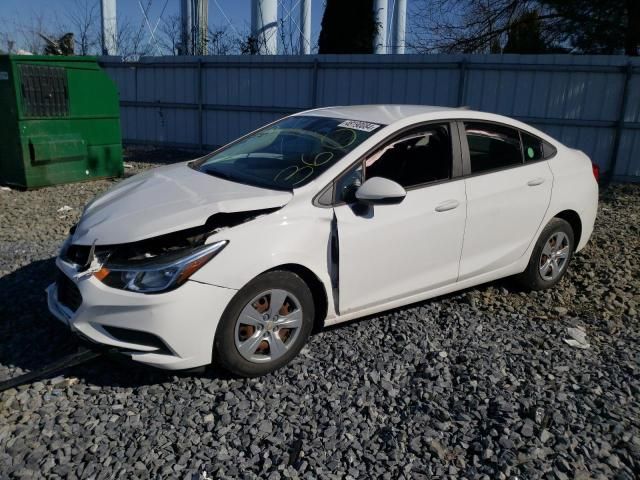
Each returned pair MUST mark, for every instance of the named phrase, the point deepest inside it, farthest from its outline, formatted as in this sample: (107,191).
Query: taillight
(596,172)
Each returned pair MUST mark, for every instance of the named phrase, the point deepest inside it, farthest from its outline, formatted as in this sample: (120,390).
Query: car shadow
(509,284)
(31,338)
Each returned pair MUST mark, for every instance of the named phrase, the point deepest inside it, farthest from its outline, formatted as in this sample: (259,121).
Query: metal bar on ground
(77,358)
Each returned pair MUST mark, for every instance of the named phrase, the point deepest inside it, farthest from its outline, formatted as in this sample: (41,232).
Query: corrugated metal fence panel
(209,101)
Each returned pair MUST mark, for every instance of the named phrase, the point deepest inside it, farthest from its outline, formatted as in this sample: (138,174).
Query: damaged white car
(319,218)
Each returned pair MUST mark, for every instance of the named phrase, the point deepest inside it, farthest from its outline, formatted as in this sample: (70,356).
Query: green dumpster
(59,121)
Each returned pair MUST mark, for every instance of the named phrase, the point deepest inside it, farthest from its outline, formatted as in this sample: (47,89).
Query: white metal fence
(587,102)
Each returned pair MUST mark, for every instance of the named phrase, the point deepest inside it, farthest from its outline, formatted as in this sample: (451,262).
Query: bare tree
(27,31)
(169,36)
(7,40)
(220,41)
(84,21)
(132,41)
(289,30)
(471,26)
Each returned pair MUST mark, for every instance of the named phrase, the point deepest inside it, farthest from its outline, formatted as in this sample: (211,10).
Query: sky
(19,12)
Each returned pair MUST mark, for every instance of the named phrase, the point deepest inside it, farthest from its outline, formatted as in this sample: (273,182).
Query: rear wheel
(265,325)
(551,256)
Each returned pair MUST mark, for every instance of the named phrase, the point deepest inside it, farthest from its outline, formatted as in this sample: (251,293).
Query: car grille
(68,293)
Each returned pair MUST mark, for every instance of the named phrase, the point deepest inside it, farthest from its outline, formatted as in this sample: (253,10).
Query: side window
(532,146)
(492,146)
(420,156)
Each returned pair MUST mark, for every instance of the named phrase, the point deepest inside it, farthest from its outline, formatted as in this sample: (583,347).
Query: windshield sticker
(358,125)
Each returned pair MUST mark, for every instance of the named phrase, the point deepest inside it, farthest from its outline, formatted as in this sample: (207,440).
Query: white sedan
(315,219)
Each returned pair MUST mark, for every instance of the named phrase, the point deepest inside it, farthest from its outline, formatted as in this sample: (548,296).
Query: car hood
(165,200)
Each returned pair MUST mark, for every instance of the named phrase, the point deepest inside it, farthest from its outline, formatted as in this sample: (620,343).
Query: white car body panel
(164,200)
(404,253)
(574,189)
(497,233)
(401,250)
(182,318)
(286,237)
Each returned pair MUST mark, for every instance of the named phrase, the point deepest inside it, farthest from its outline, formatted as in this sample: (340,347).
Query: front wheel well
(316,287)
(573,219)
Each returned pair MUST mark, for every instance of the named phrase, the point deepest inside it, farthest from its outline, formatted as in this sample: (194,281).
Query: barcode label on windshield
(358,125)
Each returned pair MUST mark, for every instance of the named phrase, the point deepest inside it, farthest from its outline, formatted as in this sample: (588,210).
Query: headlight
(161,274)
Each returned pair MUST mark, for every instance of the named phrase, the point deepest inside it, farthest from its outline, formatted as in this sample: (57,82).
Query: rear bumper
(183,322)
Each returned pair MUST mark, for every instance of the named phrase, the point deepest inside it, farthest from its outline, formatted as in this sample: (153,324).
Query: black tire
(225,351)
(532,278)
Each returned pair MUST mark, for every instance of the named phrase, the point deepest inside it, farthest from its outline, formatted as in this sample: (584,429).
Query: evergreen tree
(525,36)
(348,27)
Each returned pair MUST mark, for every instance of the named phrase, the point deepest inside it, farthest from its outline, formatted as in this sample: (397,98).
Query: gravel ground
(478,384)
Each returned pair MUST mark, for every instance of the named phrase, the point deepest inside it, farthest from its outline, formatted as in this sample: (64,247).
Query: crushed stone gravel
(478,384)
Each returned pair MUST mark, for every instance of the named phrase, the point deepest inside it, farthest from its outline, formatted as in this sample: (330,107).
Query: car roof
(388,114)
(384,114)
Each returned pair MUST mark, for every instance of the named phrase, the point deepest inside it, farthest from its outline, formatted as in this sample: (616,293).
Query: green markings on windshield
(530,152)
(308,166)
(340,139)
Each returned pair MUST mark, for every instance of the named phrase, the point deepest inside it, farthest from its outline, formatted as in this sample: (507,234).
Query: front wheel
(551,256)
(265,325)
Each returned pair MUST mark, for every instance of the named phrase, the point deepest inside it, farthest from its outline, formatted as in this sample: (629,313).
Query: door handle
(535,182)
(448,205)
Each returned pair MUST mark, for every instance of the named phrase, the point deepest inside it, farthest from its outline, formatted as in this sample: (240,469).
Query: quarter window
(420,156)
(532,146)
(492,146)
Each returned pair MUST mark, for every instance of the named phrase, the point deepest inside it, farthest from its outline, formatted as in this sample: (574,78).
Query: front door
(388,252)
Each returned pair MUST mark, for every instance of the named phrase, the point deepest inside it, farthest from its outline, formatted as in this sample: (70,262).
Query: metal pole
(620,124)
(264,26)
(380,15)
(305,26)
(186,27)
(399,25)
(109,27)
(201,26)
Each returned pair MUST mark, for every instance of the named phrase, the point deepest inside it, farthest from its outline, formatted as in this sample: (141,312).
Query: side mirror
(379,190)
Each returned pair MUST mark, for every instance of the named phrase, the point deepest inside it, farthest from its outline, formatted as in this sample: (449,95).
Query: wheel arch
(573,219)
(316,286)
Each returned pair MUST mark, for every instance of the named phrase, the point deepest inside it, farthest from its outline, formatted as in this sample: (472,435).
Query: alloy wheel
(554,256)
(268,326)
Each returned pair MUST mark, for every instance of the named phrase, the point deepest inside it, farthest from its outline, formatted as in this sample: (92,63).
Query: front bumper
(184,320)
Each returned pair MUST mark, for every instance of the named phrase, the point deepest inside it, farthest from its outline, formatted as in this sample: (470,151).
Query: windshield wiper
(219,174)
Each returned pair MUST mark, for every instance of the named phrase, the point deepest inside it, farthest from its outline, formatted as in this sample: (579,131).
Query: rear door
(508,192)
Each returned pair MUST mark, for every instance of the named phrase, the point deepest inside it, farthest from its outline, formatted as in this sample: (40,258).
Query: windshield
(289,153)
